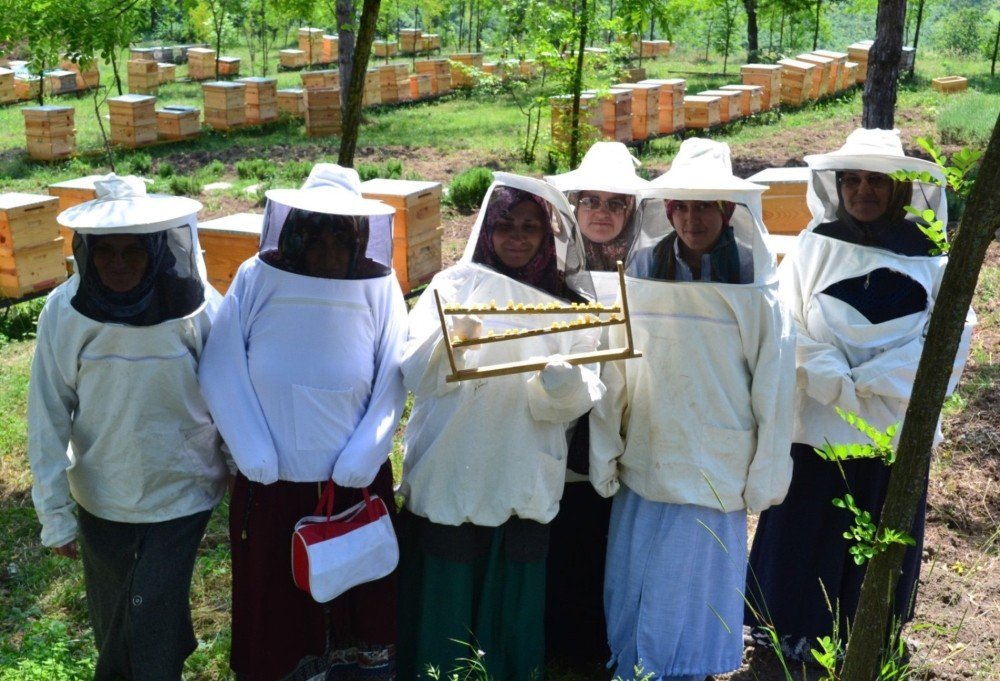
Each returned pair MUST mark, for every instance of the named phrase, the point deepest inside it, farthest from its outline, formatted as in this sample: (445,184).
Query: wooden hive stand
(416,227)
(49,131)
(31,250)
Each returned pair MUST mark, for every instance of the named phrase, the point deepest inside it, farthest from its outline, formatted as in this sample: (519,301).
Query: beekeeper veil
(137,254)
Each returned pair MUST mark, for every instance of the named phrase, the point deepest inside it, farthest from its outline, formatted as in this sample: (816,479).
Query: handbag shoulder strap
(324,507)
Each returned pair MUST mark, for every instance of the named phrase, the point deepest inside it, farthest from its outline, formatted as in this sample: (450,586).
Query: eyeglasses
(615,206)
(874,180)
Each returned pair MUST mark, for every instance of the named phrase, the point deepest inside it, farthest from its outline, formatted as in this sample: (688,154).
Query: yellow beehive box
(331,48)
(322,111)
(59,81)
(311,44)
(858,53)
(415,262)
(702,111)
(784,202)
(32,269)
(851,73)
(394,83)
(72,193)
(616,114)
(950,84)
(462,75)
(372,95)
(325,78)
(439,71)
(26,87)
(201,63)
(385,48)
(591,121)
(49,132)
(823,77)
(432,41)
(292,101)
(420,86)
(261,98)
(417,204)
(167,72)
(729,104)
(751,97)
(178,123)
(768,76)
(143,76)
(7,93)
(27,220)
(837,62)
(292,59)
(796,81)
(671,107)
(645,108)
(229,67)
(227,243)
(225,104)
(409,38)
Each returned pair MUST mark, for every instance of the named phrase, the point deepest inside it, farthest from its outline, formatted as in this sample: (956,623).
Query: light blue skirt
(673,588)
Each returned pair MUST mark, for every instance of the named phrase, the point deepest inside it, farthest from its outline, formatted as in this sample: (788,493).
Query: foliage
(19,322)
(392,169)
(165,170)
(185,185)
(968,119)
(139,163)
(47,651)
(879,447)
(255,169)
(467,190)
(471,668)
(864,532)
(830,651)
(964,32)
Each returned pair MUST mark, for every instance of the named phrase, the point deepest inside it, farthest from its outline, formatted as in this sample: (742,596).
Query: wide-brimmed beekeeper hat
(606,167)
(333,190)
(123,206)
(703,171)
(872,150)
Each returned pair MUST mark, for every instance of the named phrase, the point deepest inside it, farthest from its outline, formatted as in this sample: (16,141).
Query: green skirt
(488,609)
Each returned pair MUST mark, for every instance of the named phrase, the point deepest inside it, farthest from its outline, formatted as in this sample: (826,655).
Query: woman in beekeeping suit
(693,435)
(302,376)
(485,458)
(604,194)
(115,379)
(860,287)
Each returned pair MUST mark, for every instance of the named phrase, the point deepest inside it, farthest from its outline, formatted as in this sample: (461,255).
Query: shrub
(165,170)
(294,171)
(183,185)
(255,169)
(212,172)
(139,164)
(467,190)
(20,321)
(390,170)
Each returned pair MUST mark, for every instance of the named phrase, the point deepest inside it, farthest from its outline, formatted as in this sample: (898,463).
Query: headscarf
(541,271)
(724,258)
(302,227)
(604,257)
(137,306)
(895,213)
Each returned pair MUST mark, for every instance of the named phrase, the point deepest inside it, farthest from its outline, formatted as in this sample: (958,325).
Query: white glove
(348,472)
(464,327)
(559,374)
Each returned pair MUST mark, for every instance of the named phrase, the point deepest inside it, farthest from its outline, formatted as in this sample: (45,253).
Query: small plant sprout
(879,447)
(829,653)
(864,532)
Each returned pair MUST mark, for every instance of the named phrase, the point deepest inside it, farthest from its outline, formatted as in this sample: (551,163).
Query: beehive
(143,76)
(837,63)
(394,83)
(420,86)
(49,131)
(633,75)
(144,53)
(527,69)
(72,193)
(796,81)
(325,78)
(907,56)
(850,73)
(229,67)
(133,120)
(432,41)
(416,228)
(201,63)
(671,108)
(616,115)
(439,71)
(701,111)
(331,48)
(561,121)
(26,87)
(225,104)
(950,84)
(384,48)
(768,76)
(178,122)
(292,101)
(784,202)
(227,243)
(59,81)
(751,97)
(322,112)
(372,95)
(663,47)
(824,82)
(729,104)
(311,44)
(31,250)
(167,72)
(7,93)
(291,59)
(858,53)
(261,99)
(645,108)
(87,77)
(465,77)
(409,39)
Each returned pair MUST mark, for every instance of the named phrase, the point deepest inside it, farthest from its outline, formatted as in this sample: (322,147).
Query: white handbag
(332,553)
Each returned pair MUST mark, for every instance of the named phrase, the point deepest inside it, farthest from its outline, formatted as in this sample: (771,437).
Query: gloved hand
(464,327)
(558,374)
(351,472)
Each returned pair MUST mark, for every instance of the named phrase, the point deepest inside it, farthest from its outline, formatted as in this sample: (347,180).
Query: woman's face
(517,235)
(601,214)
(327,254)
(698,225)
(865,194)
(121,261)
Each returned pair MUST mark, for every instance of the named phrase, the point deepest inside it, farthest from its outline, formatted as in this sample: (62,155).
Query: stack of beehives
(71,193)
(322,111)
(645,108)
(201,63)
(178,122)
(838,63)
(225,104)
(702,111)
(49,131)
(229,67)
(331,48)
(461,77)
(292,59)
(385,48)
(616,115)
(421,86)
(796,81)
(7,93)
(31,250)
(562,121)
(768,76)
(133,120)
(416,228)
(440,73)
(372,95)
(858,54)
(410,40)
(394,83)
(167,71)
(59,81)
(87,77)
(261,99)
(311,44)
(671,105)
(824,74)
(143,76)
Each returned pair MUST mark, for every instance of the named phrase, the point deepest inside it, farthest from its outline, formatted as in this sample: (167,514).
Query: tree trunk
(906,482)
(753,46)
(883,66)
(574,135)
(996,47)
(916,34)
(819,4)
(114,71)
(351,115)
(345,47)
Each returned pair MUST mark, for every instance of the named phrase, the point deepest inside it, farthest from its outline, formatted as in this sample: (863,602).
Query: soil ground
(954,634)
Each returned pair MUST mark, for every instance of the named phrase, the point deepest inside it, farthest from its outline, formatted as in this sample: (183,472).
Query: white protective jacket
(302,374)
(704,416)
(142,445)
(486,450)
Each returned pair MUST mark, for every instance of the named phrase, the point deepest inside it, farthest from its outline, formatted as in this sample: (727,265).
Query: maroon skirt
(275,624)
